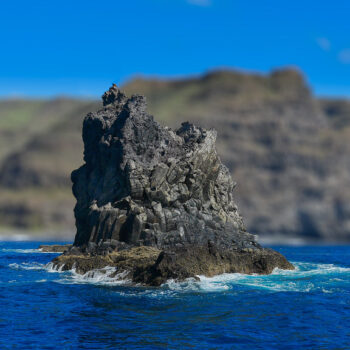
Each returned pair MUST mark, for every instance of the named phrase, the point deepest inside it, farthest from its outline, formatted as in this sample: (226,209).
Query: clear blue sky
(80,47)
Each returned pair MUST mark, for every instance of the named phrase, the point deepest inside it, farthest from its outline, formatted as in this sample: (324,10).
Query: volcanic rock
(144,185)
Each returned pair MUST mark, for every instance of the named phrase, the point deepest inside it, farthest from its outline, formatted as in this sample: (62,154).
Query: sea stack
(157,204)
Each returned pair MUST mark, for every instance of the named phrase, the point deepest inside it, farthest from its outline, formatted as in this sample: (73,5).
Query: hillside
(288,152)
(35,185)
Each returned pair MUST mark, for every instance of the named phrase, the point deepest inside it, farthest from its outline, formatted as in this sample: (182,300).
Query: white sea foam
(27,251)
(305,278)
(310,269)
(26,266)
(50,267)
(22,251)
(104,276)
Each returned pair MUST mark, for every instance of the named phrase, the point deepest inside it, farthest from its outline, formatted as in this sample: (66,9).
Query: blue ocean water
(308,308)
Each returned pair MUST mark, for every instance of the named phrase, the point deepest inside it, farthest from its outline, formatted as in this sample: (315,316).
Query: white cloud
(204,3)
(324,44)
(344,56)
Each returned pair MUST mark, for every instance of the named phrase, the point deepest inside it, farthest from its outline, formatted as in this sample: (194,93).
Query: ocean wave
(309,269)
(27,251)
(51,268)
(27,266)
(306,277)
(104,276)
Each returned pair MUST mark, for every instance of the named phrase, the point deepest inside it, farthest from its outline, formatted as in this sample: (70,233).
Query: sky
(79,48)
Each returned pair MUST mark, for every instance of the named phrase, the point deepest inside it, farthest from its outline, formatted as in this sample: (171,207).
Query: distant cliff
(288,152)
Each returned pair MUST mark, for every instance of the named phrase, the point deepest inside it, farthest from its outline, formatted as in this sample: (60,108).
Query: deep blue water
(305,309)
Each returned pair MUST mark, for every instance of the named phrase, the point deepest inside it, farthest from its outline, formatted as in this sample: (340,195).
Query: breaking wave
(104,276)
(27,266)
(27,251)
(306,277)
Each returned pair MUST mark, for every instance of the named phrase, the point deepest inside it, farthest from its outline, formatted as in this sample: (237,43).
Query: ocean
(308,308)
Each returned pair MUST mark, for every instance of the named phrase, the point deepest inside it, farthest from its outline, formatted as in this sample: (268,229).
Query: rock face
(145,185)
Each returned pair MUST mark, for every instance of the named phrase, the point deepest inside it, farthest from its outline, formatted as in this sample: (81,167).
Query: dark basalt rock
(146,185)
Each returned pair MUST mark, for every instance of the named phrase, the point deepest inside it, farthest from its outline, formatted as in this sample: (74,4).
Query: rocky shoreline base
(153,267)
(54,248)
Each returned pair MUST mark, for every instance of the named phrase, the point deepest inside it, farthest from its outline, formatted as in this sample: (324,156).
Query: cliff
(288,151)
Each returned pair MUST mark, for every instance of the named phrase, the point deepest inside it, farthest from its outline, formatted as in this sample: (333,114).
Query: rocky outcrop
(151,266)
(144,185)
(54,248)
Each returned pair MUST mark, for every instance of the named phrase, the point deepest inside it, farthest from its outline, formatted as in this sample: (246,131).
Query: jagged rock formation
(148,185)
(145,185)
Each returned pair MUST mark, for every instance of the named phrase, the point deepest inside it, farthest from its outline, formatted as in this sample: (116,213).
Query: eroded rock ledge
(54,248)
(155,202)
